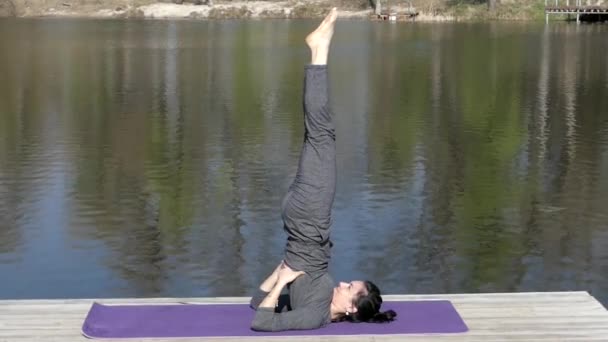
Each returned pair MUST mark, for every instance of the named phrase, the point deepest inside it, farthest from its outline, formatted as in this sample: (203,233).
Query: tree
(493,4)
(377,6)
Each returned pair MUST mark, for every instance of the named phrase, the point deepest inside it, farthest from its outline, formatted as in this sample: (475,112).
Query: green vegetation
(458,9)
(430,9)
(473,9)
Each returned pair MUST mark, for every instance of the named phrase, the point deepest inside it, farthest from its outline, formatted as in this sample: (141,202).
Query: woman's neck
(335,312)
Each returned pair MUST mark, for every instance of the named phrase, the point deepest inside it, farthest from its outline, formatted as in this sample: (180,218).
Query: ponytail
(383,317)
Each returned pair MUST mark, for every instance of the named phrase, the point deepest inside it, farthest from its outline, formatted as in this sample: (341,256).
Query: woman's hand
(287,275)
(272,279)
(275,273)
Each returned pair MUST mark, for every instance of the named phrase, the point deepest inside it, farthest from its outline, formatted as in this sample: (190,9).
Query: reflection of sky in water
(152,159)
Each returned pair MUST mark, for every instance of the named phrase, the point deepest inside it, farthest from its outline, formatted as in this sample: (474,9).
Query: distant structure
(196,2)
(575,7)
(392,15)
(377,7)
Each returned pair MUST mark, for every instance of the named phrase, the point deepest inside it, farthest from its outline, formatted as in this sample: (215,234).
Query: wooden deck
(575,7)
(407,15)
(546,316)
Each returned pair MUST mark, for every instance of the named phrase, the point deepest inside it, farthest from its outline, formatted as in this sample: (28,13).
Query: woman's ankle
(319,56)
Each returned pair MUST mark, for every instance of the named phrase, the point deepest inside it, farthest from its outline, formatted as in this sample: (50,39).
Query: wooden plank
(559,316)
(456,337)
(412,338)
(458,296)
(590,303)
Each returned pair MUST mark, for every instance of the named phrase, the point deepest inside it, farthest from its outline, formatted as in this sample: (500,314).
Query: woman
(313,299)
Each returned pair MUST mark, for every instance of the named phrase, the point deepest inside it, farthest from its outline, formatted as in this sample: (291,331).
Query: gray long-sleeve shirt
(310,301)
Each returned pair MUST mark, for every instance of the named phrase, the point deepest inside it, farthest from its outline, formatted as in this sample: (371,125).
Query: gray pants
(307,205)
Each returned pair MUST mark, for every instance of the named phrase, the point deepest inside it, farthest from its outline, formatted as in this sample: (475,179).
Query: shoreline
(287,9)
(163,11)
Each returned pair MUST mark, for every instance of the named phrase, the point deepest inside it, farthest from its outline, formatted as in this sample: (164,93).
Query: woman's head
(360,301)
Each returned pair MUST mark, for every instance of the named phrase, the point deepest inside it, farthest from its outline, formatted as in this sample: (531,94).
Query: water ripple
(152,159)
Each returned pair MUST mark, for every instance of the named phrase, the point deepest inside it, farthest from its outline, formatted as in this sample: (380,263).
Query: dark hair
(368,308)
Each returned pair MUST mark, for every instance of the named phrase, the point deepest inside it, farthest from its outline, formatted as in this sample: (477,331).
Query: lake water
(149,158)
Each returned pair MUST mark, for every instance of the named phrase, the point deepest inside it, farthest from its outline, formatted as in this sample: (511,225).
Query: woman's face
(346,293)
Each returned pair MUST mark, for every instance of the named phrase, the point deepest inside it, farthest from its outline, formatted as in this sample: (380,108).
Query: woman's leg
(307,205)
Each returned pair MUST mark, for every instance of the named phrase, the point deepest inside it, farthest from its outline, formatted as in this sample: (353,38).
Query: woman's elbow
(263,320)
(258,326)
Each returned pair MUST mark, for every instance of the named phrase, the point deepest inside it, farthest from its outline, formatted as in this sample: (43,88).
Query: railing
(576,7)
(567,2)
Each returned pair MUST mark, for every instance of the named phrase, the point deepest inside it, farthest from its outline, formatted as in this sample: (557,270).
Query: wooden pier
(409,14)
(544,316)
(574,7)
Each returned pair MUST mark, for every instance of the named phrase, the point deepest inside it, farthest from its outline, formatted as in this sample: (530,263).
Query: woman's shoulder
(313,288)
(324,287)
(327,279)
(324,281)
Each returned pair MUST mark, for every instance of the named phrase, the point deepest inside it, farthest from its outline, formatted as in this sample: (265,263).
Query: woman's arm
(285,275)
(272,298)
(266,319)
(265,287)
(272,279)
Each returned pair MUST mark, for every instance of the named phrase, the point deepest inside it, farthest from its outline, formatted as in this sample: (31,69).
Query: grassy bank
(512,10)
(429,10)
(473,9)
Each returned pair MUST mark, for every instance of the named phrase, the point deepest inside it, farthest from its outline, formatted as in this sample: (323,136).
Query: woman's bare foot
(320,39)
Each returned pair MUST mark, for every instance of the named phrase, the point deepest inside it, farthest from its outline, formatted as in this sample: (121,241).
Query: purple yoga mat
(213,320)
